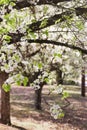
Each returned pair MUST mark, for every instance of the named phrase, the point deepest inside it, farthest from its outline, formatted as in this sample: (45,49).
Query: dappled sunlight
(24,114)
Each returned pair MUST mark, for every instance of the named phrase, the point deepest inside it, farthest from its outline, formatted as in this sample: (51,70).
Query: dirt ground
(25,117)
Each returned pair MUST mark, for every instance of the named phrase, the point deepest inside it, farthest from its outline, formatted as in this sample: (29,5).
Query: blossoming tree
(25,28)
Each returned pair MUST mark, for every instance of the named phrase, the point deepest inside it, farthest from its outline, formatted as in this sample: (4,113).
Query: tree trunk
(38,94)
(5,101)
(59,78)
(83,82)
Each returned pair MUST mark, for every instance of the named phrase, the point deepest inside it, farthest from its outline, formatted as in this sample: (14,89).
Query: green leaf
(18,76)
(6,16)
(16,58)
(57,21)
(45,9)
(6,66)
(7,38)
(31,34)
(11,20)
(65,95)
(46,32)
(61,115)
(18,82)
(58,55)
(39,65)
(46,80)
(12,4)
(3,30)
(44,23)
(4,2)
(18,79)
(6,87)
(80,25)
(25,81)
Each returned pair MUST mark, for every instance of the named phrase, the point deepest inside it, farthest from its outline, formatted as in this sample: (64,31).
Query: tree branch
(49,21)
(1,19)
(59,44)
(27,3)
(33,54)
(15,37)
(80,11)
(37,25)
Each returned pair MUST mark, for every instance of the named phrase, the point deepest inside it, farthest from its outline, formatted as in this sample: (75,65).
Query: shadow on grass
(12,126)
(76,115)
(18,127)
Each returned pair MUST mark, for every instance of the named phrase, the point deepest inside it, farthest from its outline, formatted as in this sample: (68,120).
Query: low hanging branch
(27,3)
(41,41)
(15,37)
(50,21)
(59,44)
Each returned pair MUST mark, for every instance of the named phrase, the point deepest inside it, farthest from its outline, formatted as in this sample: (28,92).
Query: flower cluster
(59,89)
(9,58)
(56,111)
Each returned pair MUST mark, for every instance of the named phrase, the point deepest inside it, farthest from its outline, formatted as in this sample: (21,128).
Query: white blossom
(36,87)
(56,111)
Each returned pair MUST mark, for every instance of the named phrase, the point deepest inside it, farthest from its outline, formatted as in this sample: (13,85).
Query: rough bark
(5,101)
(81,11)
(41,41)
(83,82)
(59,78)
(38,96)
(49,21)
(27,3)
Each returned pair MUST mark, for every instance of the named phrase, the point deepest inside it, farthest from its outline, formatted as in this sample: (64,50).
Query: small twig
(68,103)
(46,101)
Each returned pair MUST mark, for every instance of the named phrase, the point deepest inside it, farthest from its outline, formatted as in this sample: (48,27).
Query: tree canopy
(68,12)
